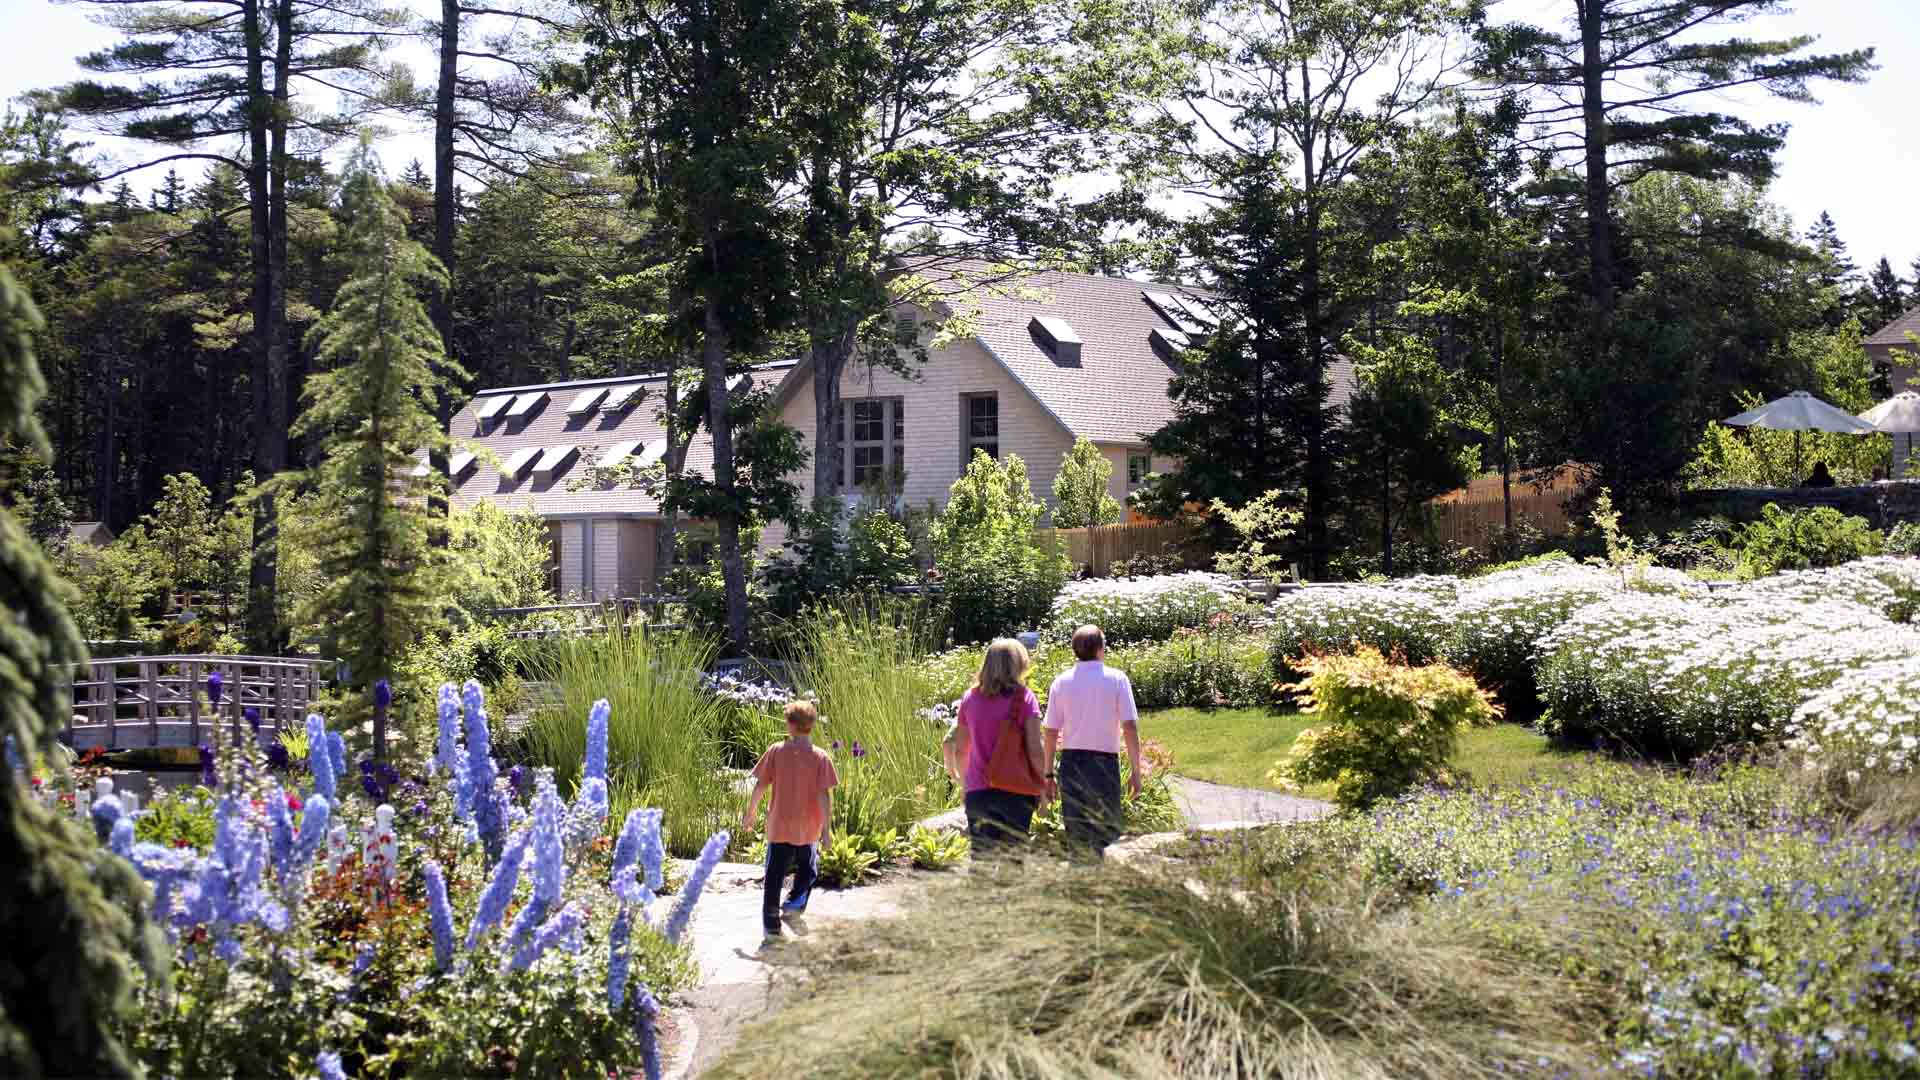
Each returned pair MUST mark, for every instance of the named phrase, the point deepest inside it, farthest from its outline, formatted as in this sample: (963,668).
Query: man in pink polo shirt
(1090,712)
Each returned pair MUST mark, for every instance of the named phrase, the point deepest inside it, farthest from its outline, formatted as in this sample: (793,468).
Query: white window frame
(892,443)
(1135,479)
(968,440)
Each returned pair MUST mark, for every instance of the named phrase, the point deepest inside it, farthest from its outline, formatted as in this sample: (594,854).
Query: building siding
(933,400)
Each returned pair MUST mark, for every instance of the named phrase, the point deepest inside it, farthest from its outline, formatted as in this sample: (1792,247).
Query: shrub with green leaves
(1802,539)
(1197,669)
(846,861)
(997,579)
(1388,727)
(1903,538)
(935,849)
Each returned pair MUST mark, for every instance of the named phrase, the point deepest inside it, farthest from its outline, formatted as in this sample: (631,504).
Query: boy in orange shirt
(802,777)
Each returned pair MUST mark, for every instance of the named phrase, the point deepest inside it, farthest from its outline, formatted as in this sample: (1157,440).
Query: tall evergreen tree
(1837,274)
(1617,90)
(369,414)
(170,195)
(70,909)
(1884,299)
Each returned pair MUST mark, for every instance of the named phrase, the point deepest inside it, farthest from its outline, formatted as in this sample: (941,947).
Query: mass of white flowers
(1147,608)
(1866,723)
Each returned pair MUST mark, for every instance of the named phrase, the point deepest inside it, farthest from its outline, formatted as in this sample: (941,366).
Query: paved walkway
(737,985)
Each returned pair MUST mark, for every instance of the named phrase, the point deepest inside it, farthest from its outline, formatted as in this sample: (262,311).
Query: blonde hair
(801,715)
(1004,669)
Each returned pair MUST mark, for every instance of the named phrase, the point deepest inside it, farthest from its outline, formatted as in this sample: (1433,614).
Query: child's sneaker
(794,908)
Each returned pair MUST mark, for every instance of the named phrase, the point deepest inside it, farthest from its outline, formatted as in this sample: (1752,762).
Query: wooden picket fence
(1473,516)
(1100,546)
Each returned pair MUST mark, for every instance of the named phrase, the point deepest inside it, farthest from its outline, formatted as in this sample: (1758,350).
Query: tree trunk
(444,205)
(1319,478)
(1500,436)
(262,621)
(829,362)
(733,569)
(1599,223)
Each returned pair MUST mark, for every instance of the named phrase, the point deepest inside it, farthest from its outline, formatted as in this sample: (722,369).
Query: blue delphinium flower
(363,959)
(337,751)
(682,913)
(478,796)
(596,765)
(166,869)
(653,852)
(252,717)
(446,749)
(618,958)
(208,777)
(328,1065)
(499,891)
(563,929)
(106,810)
(314,818)
(549,857)
(517,780)
(639,839)
(439,915)
(588,815)
(318,759)
(277,757)
(216,684)
(382,694)
(280,833)
(646,1016)
(120,842)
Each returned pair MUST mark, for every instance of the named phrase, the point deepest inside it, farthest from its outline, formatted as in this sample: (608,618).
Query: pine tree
(1883,300)
(370,414)
(416,176)
(70,910)
(1080,489)
(168,197)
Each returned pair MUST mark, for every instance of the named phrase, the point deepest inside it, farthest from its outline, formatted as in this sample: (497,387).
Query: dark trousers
(1090,797)
(998,820)
(800,860)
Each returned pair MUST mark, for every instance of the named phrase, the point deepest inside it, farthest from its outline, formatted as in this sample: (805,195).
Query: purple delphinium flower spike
(328,1065)
(252,717)
(105,812)
(682,913)
(447,746)
(499,891)
(319,759)
(563,929)
(208,777)
(596,764)
(337,750)
(549,857)
(618,958)
(646,1017)
(588,815)
(280,832)
(382,694)
(439,915)
(314,818)
(120,842)
(216,687)
(478,795)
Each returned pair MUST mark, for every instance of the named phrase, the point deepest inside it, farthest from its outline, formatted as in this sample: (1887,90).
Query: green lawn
(1238,746)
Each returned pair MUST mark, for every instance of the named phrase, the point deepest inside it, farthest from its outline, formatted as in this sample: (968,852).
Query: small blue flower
(439,915)
(328,1065)
(682,914)
(596,763)
(499,891)
(319,759)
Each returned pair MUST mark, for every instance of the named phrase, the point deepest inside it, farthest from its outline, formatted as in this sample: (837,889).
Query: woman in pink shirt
(999,699)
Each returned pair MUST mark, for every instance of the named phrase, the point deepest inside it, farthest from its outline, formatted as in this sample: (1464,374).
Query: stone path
(737,985)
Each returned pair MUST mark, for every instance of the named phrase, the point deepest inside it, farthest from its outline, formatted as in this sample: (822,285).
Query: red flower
(293,801)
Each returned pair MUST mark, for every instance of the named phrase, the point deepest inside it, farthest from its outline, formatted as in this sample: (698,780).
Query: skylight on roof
(586,401)
(462,461)
(1169,343)
(619,397)
(553,460)
(525,404)
(1199,310)
(655,450)
(1058,336)
(618,452)
(491,407)
(518,463)
(1173,309)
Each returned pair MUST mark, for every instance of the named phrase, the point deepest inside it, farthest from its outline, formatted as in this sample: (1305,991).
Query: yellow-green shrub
(1389,727)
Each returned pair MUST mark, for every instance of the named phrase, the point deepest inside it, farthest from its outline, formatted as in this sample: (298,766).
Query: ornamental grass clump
(1388,727)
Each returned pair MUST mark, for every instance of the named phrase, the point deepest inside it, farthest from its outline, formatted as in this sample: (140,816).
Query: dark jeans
(800,860)
(1090,797)
(998,820)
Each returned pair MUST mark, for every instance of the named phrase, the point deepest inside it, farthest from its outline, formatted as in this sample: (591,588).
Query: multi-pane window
(1138,466)
(980,422)
(872,433)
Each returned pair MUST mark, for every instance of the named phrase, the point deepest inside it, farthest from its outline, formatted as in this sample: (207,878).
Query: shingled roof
(1895,332)
(1113,388)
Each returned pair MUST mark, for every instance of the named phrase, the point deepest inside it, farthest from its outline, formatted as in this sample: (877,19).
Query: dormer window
(1059,338)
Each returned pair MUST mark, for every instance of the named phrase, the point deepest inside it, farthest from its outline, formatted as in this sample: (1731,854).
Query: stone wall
(1883,504)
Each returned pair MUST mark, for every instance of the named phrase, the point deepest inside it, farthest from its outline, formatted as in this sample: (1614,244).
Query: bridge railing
(128,702)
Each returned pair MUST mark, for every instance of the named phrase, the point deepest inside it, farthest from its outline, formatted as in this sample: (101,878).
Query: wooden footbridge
(134,702)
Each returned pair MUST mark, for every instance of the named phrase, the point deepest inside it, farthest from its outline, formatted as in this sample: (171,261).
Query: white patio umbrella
(1801,411)
(1898,415)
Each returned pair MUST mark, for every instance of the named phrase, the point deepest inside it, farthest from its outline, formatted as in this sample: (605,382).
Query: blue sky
(1856,154)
